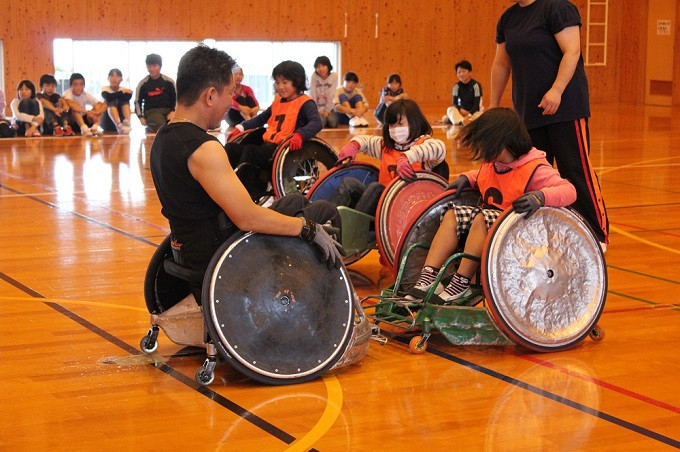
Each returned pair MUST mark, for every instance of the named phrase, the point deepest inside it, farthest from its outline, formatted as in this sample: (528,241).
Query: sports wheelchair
(400,202)
(291,170)
(259,312)
(543,281)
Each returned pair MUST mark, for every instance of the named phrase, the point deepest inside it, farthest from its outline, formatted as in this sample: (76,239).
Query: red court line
(603,384)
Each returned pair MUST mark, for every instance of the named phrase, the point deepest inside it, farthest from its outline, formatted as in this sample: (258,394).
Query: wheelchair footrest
(463,325)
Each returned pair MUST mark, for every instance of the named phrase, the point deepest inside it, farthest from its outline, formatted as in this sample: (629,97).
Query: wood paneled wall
(419,39)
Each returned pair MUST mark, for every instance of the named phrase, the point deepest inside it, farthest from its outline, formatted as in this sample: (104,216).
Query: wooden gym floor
(79,220)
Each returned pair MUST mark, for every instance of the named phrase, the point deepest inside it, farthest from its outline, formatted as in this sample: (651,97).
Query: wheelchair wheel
(162,290)
(544,278)
(274,311)
(327,185)
(399,204)
(299,170)
(250,136)
(422,230)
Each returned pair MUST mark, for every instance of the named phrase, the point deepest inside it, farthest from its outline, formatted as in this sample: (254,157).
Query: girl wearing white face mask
(404,147)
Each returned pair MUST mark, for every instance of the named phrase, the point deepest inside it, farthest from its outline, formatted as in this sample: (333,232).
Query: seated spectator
(350,103)
(83,120)
(156,96)
(6,130)
(466,97)
(244,105)
(56,109)
(117,99)
(27,111)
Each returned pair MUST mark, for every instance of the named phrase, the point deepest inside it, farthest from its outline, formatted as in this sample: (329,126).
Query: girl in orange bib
(291,113)
(513,174)
(404,147)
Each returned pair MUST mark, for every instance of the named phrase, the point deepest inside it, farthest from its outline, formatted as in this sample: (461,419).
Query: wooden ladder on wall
(596,32)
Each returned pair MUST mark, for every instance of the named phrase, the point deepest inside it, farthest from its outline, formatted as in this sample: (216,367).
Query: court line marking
(552,396)
(641,240)
(328,418)
(636,164)
(333,387)
(602,383)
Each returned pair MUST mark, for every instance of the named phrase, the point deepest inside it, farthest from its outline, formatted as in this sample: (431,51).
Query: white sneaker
(85,132)
(423,285)
(468,297)
(95,131)
(446,120)
(353,122)
(362,122)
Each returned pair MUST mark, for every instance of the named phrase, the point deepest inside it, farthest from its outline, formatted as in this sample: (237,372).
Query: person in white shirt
(83,120)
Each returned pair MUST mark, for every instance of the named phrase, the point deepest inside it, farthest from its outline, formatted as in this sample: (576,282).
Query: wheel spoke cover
(327,185)
(544,278)
(299,170)
(274,310)
(422,230)
(400,204)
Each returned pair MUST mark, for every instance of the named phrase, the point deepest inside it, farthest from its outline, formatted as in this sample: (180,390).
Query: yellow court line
(634,237)
(87,303)
(644,162)
(333,387)
(328,417)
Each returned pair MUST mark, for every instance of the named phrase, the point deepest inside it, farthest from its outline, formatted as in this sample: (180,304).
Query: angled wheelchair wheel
(327,185)
(299,170)
(399,204)
(251,136)
(274,311)
(162,290)
(544,278)
(422,230)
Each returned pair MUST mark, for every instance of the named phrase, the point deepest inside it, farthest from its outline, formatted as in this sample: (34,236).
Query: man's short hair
(201,68)
(154,58)
(351,77)
(75,76)
(465,64)
(47,79)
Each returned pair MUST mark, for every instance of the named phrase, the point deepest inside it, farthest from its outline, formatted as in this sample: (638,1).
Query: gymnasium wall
(420,39)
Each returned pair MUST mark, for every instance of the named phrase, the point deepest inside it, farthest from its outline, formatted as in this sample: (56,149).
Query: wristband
(308,231)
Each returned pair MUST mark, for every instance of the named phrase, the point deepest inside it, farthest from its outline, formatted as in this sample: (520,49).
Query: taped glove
(348,151)
(529,203)
(459,184)
(295,142)
(331,250)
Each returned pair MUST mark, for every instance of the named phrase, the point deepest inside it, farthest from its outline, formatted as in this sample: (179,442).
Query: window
(94,59)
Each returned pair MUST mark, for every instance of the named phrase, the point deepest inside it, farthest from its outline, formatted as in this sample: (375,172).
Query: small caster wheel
(203,377)
(417,344)
(597,333)
(148,344)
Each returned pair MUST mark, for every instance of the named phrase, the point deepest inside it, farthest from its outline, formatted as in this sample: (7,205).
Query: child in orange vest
(513,174)
(404,147)
(292,112)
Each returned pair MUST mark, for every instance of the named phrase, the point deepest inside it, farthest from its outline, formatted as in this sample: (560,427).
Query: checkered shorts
(465,215)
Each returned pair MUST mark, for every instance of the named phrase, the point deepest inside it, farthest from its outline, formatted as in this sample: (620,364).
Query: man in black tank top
(200,194)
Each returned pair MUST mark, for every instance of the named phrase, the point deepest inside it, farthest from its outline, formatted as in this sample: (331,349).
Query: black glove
(459,184)
(332,251)
(529,203)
